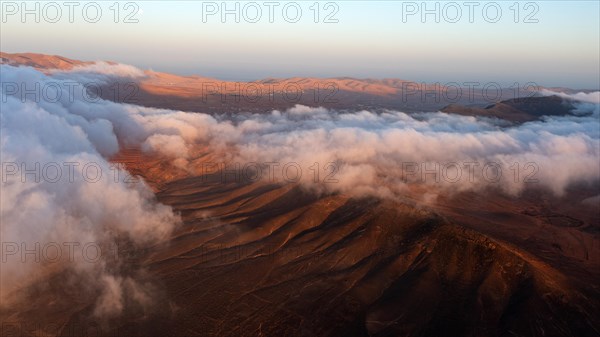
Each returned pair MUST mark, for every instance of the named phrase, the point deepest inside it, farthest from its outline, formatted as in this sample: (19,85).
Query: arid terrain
(255,258)
(209,95)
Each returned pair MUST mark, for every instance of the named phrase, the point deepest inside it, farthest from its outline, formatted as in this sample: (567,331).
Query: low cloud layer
(384,148)
(61,202)
(360,153)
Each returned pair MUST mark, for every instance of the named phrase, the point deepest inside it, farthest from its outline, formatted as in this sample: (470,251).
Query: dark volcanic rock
(518,110)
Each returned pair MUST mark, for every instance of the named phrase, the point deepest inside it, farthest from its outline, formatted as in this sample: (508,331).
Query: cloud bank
(61,205)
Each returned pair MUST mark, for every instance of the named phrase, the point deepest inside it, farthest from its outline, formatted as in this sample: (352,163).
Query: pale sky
(371,39)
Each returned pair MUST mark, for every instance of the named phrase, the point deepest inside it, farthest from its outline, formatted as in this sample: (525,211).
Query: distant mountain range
(210,95)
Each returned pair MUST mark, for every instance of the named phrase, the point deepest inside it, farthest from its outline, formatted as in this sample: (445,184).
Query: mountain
(518,110)
(259,259)
(40,61)
(274,260)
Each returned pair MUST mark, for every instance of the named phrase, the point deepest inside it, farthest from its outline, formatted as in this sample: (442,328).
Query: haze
(368,41)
